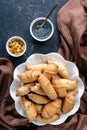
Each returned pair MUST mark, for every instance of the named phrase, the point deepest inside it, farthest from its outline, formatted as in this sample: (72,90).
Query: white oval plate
(38,59)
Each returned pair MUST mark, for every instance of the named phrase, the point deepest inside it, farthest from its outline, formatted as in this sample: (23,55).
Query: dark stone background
(15,19)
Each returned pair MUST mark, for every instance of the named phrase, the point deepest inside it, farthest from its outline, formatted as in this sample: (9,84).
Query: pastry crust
(47,87)
(62,71)
(29,76)
(39,67)
(29,108)
(25,89)
(68,104)
(37,89)
(47,120)
(39,99)
(39,108)
(51,108)
(51,68)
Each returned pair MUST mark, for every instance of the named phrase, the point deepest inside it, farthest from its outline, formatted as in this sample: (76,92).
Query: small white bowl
(16,43)
(44,33)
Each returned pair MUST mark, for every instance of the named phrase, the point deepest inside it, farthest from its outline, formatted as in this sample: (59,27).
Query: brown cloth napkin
(9,118)
(72,24)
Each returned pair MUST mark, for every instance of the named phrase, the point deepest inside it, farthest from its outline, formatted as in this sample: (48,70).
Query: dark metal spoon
(44,21)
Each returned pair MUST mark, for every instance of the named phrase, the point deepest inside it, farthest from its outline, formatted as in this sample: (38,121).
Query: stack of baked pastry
(46,91)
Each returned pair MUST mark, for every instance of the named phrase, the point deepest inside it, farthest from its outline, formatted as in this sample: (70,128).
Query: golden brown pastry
(73,92)
(22,91)
(62,71)
(61,91)
(25,89)
(29,108)
(37,89)
(51,68)
(39,99)
(39,67)
(59,111)
(55,77)
(68,84)
(51,108)
(29,76)
(47,75)
(47,87)
(69,101)
(47,120)
(63,85)
(39,108)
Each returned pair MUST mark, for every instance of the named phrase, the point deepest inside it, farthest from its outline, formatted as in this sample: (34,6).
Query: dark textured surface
(15,19)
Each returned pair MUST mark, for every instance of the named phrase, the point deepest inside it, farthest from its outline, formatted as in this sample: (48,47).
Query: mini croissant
(61,91)
(39,67)
(62,71)
(60,88)
(29,108)
(29,76)
(64,83)
(51,68)
(47,87)
(51,108)
(39,99)
(22,91)
(25,89)
(37,89)
(69,101)
(68,84)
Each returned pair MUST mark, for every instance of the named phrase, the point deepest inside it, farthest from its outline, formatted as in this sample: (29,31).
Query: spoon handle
(45,20)
(49,14)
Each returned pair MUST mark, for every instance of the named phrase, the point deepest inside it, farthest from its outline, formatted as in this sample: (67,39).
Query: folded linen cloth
(72,24)
(9,118)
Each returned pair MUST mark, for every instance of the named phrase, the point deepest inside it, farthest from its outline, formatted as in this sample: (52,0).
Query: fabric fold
(72,24)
